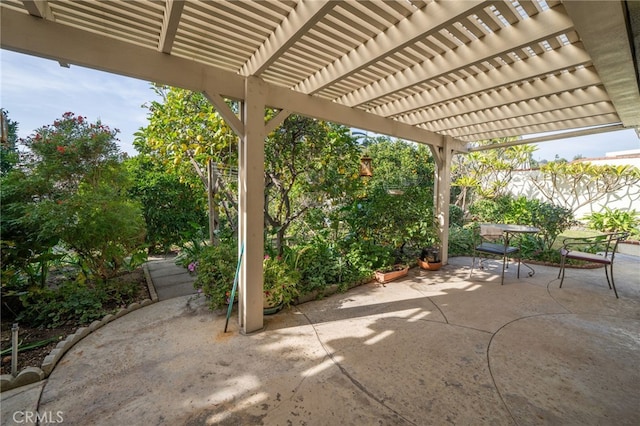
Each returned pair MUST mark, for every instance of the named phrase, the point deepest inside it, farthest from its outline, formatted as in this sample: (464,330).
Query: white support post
(251,206)
(442,192)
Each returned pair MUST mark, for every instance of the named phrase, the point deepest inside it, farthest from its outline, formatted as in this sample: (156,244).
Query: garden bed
(26,334)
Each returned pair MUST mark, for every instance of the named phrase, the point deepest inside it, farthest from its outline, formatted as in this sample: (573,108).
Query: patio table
(509,230)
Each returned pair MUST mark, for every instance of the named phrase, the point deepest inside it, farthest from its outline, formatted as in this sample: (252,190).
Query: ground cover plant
(63,312)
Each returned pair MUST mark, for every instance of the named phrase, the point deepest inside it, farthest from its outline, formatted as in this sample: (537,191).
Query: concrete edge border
(30,375)
(152,288)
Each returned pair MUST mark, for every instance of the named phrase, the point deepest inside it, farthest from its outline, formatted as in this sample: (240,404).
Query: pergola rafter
(553,61)
(536,29)
(407,32)
(285,35)
(553,85)
(540,118)
(559,124)
(39,8)
(571,101)
(170,23)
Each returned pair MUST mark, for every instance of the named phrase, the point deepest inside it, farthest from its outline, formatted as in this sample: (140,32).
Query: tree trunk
(212,188)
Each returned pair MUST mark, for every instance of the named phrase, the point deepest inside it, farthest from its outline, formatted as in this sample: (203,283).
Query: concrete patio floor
(434,348)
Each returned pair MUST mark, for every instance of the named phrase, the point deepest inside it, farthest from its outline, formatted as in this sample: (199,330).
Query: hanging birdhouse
(366,168)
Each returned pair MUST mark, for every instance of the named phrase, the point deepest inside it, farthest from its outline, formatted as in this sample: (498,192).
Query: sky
(37,91)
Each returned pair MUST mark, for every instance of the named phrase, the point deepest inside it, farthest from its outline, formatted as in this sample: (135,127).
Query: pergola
(441,73)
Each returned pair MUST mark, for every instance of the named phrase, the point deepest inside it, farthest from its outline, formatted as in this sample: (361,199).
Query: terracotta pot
(429,266)
(385,277)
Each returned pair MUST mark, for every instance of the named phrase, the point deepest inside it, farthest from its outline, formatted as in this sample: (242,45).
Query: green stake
(233,289)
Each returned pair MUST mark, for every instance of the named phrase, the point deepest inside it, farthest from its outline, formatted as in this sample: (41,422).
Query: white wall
(627,198)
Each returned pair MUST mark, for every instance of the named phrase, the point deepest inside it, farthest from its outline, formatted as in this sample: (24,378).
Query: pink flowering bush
(72,151)
(76,183)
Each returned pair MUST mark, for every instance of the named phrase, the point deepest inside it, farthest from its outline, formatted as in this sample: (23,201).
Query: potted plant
(280,284)
(391,273)
(430,258)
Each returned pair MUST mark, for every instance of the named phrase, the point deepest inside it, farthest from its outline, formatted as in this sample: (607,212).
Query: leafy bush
(25,251)
(490,210)
(615,221)
(280,280)
(216,272)
(367,256)
(192,246)
(171,207)
(460,240)
(550,219)
(73,303)
(68,189)
(319,266)
(456,215)
(102,228)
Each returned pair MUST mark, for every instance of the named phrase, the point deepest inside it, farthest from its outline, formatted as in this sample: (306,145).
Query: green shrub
(216,269)
(490,210)
(73,302)
(367,256)
(456,215)
(101,227)
(320,265)
(460,241)
(69,189)
(280,280)
(25,251)
(552,220)
(615,221)
(171,208)
(192,246)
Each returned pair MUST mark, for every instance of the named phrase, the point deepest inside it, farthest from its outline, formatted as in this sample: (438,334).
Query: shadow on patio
(434,348)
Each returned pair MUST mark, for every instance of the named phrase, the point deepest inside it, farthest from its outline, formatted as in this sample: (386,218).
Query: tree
(488,173)
(70,152)
(173,207)
(395,206)
(70,187)
(308,163)
(188,135)
(25,251)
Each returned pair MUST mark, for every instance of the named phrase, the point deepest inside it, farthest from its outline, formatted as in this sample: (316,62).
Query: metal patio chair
(598,249)
(492,241)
